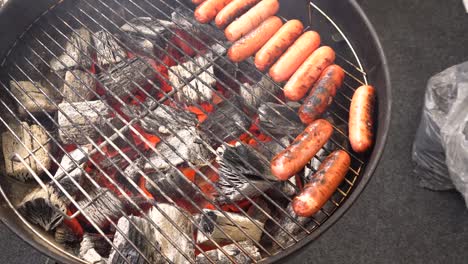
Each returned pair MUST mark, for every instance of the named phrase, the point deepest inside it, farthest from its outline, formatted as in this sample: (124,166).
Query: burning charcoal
(262,92)
(41,207)
(78,52)
(280,119)
(231,231)
(132,171)
(172,184)
(94,248)
(289,226)
(32,97)
(219,257)
(108,51)
(78,86)
(147,27)
(242,168)
(104,205)
(140,233)
(163,119)
(185,145)
(65,235)
(76,121)
(37,142)
(229,72)
(199,89)
(150,241)
(205,32)
(271,148)
(127,76)
(256,213)
(227,122)
(67,164)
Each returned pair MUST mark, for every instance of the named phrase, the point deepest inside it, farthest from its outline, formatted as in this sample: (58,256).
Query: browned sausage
(322,185)
(252,42)
(251,19)
(233,10)
(361,118)
(275,47)
(208,10)
(290,61)
(302,150)
(322,94)
(301,81)
(197,2)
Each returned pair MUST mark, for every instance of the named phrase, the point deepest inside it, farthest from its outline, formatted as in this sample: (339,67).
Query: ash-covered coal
(184,145)
(262,92)
(42,206)
(226,228)
(79,86)
(227,122)
(280,119)
(219,257)
(34,98)
(105,205)
(198,90)
(163,119)
(128,76)
(78,52)
(108,50)
(241,170)
(94,248)
(147,27)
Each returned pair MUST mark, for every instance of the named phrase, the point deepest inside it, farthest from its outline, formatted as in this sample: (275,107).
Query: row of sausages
(295,57)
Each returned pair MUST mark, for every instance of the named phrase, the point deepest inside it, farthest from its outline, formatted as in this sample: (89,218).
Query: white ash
(108,50)
(78,52)
(42,206)
(198,90)
(78,86)
(148,27)
(219,257)
(94,248)
(225,230)
(76,121)
(36,142)
(33,99)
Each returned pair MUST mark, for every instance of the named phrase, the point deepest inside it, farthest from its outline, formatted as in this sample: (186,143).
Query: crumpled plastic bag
(440,149)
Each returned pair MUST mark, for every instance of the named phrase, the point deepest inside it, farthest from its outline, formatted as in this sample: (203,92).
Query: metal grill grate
(44,41)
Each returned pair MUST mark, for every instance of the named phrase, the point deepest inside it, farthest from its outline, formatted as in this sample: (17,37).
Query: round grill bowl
(342,25)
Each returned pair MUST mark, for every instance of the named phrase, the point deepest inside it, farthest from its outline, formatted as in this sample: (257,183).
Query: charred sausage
(232,11)
(252,42)
(290,61)
(301,81)
(251,19)
(361,118)
(294,158)
(322,94)
(208,10)
(322,185)
(275,47)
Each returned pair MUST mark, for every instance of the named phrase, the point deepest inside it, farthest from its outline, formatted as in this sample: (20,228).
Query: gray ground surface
(394,221)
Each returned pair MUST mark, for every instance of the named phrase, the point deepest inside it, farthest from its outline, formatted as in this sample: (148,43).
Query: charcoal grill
(41,35)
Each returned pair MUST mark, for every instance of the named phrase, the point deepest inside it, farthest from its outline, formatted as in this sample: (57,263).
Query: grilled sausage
(301,81)
(233,10)
(252,42)
(294,158)
(322,94)
(251,19)
(322,185)
(208,10)
(290,61)
(275,47)
(197,2)
(361,119)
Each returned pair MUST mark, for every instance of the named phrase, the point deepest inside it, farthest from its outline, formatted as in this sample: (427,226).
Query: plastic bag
(441,139)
